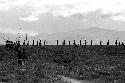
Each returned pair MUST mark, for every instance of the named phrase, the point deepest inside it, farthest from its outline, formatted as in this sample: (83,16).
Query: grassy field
(46,63)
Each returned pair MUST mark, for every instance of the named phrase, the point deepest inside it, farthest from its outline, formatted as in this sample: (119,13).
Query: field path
(70,80)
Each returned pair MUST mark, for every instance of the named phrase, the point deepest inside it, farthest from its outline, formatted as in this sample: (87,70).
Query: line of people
(91,43)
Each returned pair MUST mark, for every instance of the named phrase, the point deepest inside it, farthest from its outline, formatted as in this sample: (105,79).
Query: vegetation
(45,63)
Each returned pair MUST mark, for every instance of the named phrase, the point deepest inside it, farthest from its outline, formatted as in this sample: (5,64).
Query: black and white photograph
(62,41)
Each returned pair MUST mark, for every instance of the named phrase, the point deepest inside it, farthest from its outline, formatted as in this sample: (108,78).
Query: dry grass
(44,66)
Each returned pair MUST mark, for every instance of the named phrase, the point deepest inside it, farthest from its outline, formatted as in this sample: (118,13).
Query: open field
(46,64)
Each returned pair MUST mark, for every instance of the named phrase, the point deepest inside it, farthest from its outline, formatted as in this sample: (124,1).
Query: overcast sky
(49,16)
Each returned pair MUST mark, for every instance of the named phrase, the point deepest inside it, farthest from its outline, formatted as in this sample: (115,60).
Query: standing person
(19,55)
(24,55)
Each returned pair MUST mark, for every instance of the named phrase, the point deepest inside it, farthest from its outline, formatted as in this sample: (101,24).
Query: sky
(50,16)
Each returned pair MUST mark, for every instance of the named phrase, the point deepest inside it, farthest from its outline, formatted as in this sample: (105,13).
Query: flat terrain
(45,64)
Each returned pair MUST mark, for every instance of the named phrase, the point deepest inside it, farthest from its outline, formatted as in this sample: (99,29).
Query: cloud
(30,18)
(8,4)
(65,7)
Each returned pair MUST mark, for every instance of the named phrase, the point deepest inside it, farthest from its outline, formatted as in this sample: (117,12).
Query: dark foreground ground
(45,64)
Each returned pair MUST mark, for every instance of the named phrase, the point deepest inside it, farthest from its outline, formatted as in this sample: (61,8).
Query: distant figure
(57,42)
(91,42)
(45,42)
(100,42)
(80,42)
(24,57)
(116,42)
(24,42)
(37,43)
(19,55)
(119,43)
(108,42)
(85,43)
(69,42)
(40,43)
(33,42)
(63,42)
(74,43)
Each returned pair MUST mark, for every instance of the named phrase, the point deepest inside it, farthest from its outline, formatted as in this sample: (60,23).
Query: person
(116,42)
(19,55)
(24,55)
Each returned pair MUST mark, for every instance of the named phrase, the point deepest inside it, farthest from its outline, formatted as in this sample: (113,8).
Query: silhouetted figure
(80,43)
(33,42)
(40,43)
(19,55)
(85,43)
(108,42)
(91,42)
(63,42)
(24,42)
(100,42)
(24,57)
(74,43)
(57,42)
(116,42)
(119,43)
(45,42)
(69,42)
(37,43)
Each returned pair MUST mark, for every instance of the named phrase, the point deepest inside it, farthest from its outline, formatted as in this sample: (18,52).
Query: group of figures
(91,42)
(39,43)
